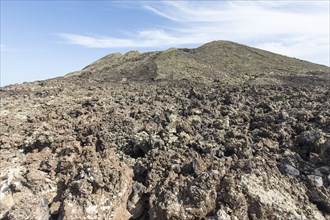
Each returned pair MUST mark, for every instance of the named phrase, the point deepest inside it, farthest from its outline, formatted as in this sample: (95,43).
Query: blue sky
(44,39)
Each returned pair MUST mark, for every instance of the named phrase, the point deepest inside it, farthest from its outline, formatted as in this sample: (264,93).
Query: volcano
(223,131)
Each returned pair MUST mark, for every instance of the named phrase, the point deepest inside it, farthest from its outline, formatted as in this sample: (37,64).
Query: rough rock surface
(87,147)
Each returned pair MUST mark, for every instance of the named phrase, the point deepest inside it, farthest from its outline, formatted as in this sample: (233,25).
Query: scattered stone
(315,180)
(310,142)
(196,167)
(55,208)
(136,202)
(291,170)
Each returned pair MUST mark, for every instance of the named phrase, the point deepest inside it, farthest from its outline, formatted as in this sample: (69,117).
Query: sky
(43,39)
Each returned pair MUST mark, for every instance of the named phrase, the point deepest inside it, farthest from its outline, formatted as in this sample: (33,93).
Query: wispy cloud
(142,39)
(294,28)
(160,13)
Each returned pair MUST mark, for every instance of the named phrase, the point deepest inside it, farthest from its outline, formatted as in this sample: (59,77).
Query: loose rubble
(72,149)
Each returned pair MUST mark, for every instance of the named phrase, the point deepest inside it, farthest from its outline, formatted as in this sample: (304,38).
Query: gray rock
(321,196)
(315,180)
(136,202)
(311,140)
(291,170)
(325,152)
(196,167)
(322,170)
(176,168)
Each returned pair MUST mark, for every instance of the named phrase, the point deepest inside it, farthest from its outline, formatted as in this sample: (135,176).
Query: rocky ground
(74,148)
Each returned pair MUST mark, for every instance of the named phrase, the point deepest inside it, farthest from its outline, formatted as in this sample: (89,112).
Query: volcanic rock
(223,131)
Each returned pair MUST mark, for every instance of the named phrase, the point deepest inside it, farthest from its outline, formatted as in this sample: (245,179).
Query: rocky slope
(223,131)
(222,61)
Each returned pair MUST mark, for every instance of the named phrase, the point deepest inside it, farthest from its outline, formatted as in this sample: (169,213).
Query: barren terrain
(223,131)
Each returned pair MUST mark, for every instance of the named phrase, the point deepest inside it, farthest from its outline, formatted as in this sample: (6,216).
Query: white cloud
(94,42)
(159,12)
(142,39)
(293,28)
(315,50)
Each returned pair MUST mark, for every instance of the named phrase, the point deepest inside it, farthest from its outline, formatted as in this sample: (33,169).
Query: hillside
(223,131)
(222,61)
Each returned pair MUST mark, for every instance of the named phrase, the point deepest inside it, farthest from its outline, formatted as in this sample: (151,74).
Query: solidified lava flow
(223,131)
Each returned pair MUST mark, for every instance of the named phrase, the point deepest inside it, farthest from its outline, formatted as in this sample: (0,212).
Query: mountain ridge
(223,61)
